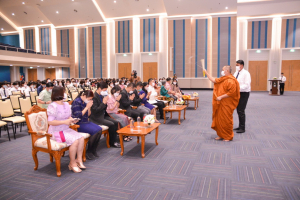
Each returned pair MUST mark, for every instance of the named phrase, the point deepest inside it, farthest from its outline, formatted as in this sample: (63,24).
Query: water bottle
(131,125)
(138,121)
(171,104)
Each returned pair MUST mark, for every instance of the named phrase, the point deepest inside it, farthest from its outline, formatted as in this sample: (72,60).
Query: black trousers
(112,128)
(134,114)
(244,96)
(281,86)
(160,106)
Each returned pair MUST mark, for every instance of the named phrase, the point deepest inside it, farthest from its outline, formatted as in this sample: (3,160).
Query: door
(259,75)
(50,73)
(124,70)
(291,70)
(149,70)
(32,74)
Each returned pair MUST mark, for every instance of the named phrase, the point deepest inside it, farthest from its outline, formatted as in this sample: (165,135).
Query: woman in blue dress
(141,90)
(81,108)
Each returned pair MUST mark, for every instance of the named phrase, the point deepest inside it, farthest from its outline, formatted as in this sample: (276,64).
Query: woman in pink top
(113,106)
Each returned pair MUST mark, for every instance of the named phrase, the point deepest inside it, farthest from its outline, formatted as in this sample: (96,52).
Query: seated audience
(144,99)
(176,89)
(113,106)
(15,87)
(99,115)
(59,119)
(164,92)
(81,108)
(45,95)
(137,102)
(152,94)
(126,101)
(41,87)
(4,92)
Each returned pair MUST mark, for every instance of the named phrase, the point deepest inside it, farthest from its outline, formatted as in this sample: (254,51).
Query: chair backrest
(6,109)
(74,95)
(36,99)
(15,101)
(37,119)
(25,104)
(16,92)
(32,96)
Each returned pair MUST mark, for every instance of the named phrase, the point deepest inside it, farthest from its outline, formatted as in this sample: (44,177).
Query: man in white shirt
(4,91)
(244,79)
(282,83)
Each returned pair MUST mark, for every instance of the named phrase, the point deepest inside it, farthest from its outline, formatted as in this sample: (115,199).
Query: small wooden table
(141,131)
(195,99)
(175,108)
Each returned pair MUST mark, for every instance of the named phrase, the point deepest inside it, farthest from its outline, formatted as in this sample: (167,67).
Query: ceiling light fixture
(23,2)
(42,21)
(56,12)
(292,50)
(147,9)
(124,54)
(42,0)
(13,13)
(150,54)
(49,67)
(30,67)
(115,1)
(38,66)
(258,51)
(2,29)
(226,8)
(11,65)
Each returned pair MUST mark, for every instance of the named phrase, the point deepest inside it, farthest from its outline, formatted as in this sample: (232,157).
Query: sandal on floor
(126,139)
(218,138)
(130,138)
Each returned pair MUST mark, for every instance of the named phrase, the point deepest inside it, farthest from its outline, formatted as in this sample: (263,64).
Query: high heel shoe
(75,169)
(80,165)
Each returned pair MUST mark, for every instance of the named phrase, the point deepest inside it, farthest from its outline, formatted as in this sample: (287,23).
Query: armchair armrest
(40,134)
(122,111)
(134,107)
(74,127)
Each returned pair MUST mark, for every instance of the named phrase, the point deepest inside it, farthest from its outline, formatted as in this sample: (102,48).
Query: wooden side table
(141,131)
(175,108)
(195,99)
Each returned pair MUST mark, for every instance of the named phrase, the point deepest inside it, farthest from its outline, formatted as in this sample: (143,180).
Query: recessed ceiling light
(226,8)
(13,13)
(292,50)
(2,29)
(38,66)
(42,21)
(147,9)
(124,54)
(10,65)
(258,51)
(30,67)
(150,54)
(72,0)
(23,2)
(49,67)
(42,0)
(56,12)
(52,67)
(115,1)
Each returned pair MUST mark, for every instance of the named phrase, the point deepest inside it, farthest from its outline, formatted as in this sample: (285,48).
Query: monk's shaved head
(228,68)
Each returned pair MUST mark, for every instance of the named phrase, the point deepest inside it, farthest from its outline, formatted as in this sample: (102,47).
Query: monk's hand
(219,98)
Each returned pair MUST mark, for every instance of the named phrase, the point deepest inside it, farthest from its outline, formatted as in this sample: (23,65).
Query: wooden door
(124,70)
(50,73)
(32,74)
(259,75)
(149,70)
(291,70)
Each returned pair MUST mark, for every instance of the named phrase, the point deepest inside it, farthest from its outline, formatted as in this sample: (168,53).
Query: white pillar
(37,39)
(242,34)
(275,53)
(163,47)
(110,48)
(21,38)
(53,40)
(136,55)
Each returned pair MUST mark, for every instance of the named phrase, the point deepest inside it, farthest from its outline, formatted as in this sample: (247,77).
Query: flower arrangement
(195,94)
(186,96)
(149,119)
(274,78)
(179,102)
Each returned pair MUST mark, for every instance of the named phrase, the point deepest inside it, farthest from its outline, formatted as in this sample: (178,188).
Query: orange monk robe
(223,110)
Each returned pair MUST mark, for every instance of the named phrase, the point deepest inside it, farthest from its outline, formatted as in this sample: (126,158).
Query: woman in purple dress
(59,119)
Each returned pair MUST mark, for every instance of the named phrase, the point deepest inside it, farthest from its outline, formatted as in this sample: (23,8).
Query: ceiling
(76,12)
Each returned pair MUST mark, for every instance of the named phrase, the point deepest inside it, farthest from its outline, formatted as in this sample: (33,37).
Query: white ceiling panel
(123,8)
(193,7)
(71,13)
(5,26)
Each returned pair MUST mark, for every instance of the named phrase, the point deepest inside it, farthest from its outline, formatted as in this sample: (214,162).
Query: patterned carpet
(261,164)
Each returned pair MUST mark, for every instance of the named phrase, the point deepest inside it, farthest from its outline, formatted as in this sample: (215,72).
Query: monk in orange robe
(226,97)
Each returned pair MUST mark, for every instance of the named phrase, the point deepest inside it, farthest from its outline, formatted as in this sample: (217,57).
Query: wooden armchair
(37,123)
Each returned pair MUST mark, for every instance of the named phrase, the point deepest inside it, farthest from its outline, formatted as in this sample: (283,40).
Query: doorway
(32,74)
(291,70)
(259,75)
(50,73)
(124,70)
(149,70)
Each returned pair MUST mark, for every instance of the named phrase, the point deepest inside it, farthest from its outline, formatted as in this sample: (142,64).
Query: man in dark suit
(126,101)
(99,115)
(41,87)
